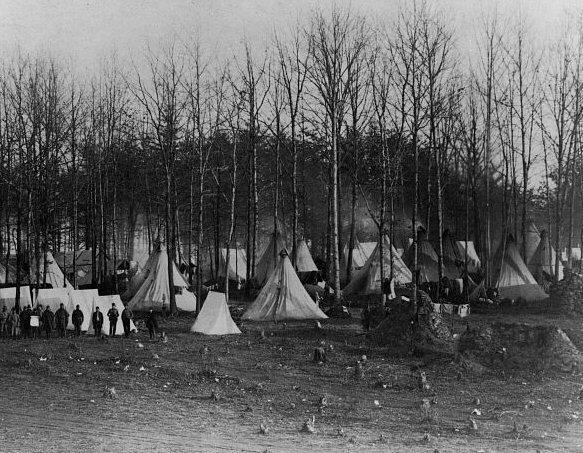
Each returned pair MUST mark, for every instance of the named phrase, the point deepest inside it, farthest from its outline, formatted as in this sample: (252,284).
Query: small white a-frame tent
(471,256)
(54,275)
(104,304)
(304,262)
(283,297)
(427,261)
(532,240)
(155,289)
(237,264)
(8,297)
(52,297)
(543,261)
(85,299)
(215,318)
(270,257)
(368,279)
(513,279)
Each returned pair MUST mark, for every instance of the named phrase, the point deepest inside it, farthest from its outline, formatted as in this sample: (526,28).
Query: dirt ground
(196,393)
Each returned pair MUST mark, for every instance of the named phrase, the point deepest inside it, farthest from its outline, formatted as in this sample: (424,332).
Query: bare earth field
(195,393)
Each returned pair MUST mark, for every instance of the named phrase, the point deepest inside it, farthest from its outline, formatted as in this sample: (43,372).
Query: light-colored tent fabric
(83,264)
(474,263)
(7,274)
(104,304)
(270,258)
(85,298)
(155,289)
(368,279)
(359,255)
(139,277)
(426,261)
(215,318)
(544,259)
(54,274)
(283,298)
(451,257)
(237,264)
(52,297)
(304,261)
(8,297)
(532,240)
(512,277)
(575,254)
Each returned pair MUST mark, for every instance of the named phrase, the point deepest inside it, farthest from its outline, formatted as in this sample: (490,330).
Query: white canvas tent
(544,259)
(85,298)
(283,298)
(304,261)
(54,274)
(104,304)
(426,261)
(215,318)
(8,297)
(513,279)
(155,289)
(359,254)
(471,256)
(270,257)
(136,281)
(237,264)
(451,257)
(368,279)
(52,297)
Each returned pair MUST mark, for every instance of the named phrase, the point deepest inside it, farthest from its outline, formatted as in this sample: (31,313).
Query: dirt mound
(522,346)
(425,332)
(567,295)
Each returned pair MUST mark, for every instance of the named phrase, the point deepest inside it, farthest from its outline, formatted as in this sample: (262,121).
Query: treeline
(334,121)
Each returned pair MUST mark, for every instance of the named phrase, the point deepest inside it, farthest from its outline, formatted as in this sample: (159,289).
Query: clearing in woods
(197,393)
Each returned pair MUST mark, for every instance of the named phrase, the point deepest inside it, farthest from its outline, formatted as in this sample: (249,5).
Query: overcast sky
(86,31)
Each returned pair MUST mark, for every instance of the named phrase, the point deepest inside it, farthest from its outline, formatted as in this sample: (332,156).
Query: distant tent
(85,298)
(83,265)
(532,240)
(139,277)
(368,279)
(544,259)
(52,297)
(512,277)
(270,257)
(474,263)
(155,289)
(54,275)
(8,297)
(359,255)
(426,261)
(215,318)
(452,259)
(237,264)
(304,261)
(104,304)
(283,297)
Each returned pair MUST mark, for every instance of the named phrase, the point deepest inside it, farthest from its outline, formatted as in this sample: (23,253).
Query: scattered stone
(155,356)
(204,350)
(340,432)
(109,392)
(140,345)
(214,396)
(127,367)
(263,429)
(142,368)
(427,438)
(472,425)
(423,384)
(477,412)
(476,401)
(323,401)
(319,355)
(309,425)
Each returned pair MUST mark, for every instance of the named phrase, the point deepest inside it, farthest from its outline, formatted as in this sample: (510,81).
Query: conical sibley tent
(426,261)
(155,290)
(470,255)
(283,297)
(54,274)
(513,279)
(139,277)
(215,318)
(269,258)
(544,259)
(304,261)
(359,255)
(237,264)
(531,241)
(451,256)
(368,279)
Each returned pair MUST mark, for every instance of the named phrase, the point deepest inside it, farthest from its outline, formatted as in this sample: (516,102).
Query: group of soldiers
(30,323)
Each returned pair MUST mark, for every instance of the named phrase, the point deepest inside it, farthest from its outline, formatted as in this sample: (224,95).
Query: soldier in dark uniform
(97,321)
(112,315)
(126,317)
(77,318)
(62,319)
(25,321)
(152,324)
(48,321)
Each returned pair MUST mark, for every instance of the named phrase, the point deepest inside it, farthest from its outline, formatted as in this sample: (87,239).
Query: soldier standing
(126,317)
(62,319)
(112,315)
(97,321)
(77,318)
(48,321)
